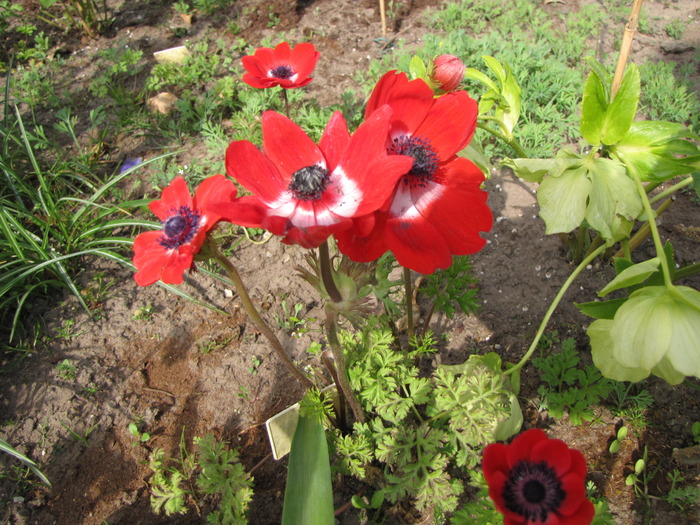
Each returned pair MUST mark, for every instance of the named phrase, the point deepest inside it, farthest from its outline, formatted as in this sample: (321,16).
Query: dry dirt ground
(188,369)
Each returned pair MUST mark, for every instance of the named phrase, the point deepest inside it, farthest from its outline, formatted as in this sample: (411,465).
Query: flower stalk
(253,313)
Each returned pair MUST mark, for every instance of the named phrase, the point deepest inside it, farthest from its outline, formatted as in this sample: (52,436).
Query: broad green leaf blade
(417,67)
(635,274)
(621,111)
(601,309)
(308,497)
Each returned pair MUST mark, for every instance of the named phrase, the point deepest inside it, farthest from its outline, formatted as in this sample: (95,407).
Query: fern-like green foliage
(454,288)
(419,428)
(568,387)
(223,474)
(167,492)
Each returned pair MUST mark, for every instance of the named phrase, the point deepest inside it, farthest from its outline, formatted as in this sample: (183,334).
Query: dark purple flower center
(425,159)
(180,227)
(533,490)
(282,72)
(309,183)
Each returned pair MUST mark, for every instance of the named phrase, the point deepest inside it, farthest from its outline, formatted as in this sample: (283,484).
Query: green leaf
(696,183)
(511,426)
(417,67)
(593,109)
(621,111)
(601,309)
(614,447)
(635,274)
(308,497)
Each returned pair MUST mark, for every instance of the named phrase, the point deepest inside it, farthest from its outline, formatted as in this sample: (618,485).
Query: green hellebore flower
(657,331)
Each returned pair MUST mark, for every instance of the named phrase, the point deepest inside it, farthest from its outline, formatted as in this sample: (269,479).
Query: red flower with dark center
(281,66)
(166,254)
(306,192)
(537,480)
(438,208)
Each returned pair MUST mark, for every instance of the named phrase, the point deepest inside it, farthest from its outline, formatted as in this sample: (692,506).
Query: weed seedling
(681,498)
(141,437)
(80,437)
(619,438)
(143,313)
(66,331)
(66,370)
(255,364)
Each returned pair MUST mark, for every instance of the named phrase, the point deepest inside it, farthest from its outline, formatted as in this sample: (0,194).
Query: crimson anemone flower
(438,208)
(166,254)
(538,480)
(281,66)
(306,192)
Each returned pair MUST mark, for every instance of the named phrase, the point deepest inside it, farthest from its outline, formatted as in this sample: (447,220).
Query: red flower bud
(448,72)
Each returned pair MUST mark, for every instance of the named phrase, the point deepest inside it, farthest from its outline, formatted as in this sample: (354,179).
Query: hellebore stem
(511,142)
(255,315)
(553,306)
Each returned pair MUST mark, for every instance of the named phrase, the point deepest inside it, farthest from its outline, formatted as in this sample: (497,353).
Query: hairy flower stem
(409,301)
(553,306)
(255,315)
(327,273)
(286,103)
(332,333)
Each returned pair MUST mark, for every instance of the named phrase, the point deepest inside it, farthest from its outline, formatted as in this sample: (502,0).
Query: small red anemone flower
(537,480)
(282,66)
(166,254)
(437,208)
(306,192)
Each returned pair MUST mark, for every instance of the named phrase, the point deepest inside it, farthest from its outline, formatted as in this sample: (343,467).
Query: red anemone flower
(438,208)
(306,192)
(281,66)
(166,254)
(537,480)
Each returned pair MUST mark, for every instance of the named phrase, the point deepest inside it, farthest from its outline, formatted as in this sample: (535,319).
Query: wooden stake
(625,48)
(382,12)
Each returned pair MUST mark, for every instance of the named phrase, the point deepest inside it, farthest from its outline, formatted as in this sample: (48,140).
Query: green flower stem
(511,142)
(344,383)
(651,221)
(409,301)
(286,103)
(671,189)
(255,315)
(327,273)
(553,306)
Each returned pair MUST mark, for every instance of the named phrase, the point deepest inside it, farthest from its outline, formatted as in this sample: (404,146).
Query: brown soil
(190,370)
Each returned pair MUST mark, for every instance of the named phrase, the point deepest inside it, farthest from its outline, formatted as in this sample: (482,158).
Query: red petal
(255,81)
(417,244)
(254,171)
(583,515)
(149,257)
(494,460)
(410,100)
(364,242)
(459,212)
(573,486)
(177,263)
(247,211)
(176,194)
(450,123)
(555,453)
(335,140)
(578,464)
(303,59)
(254,66)
(287,146)
(282,53)
(522,445)
(214,189)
